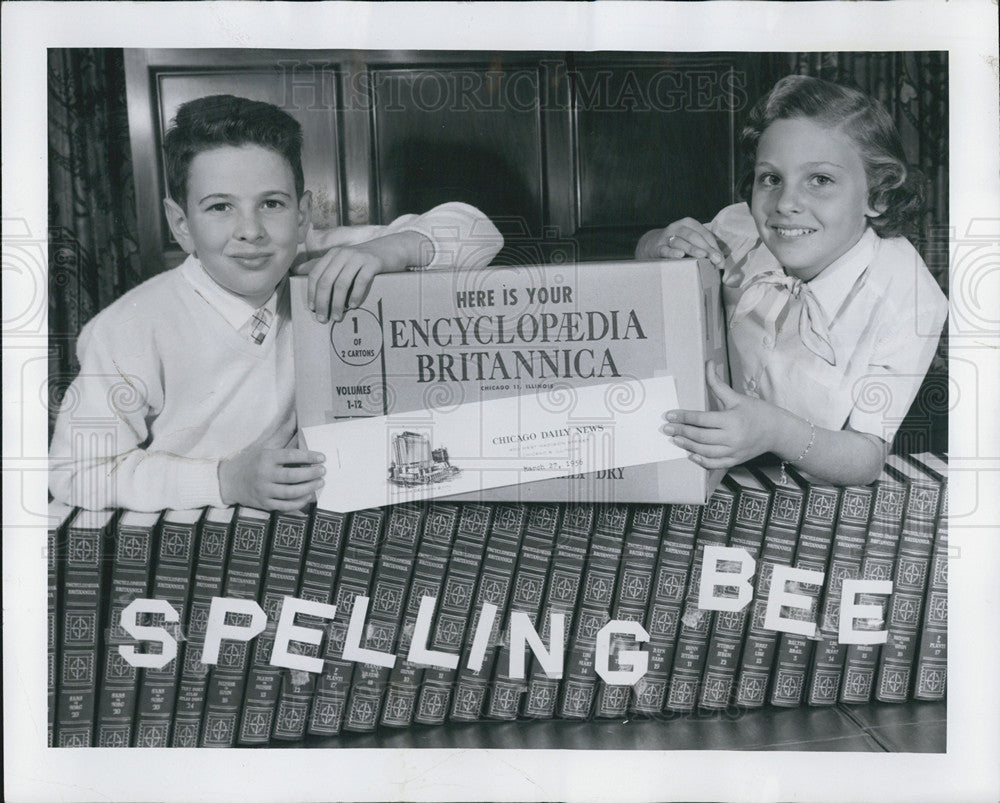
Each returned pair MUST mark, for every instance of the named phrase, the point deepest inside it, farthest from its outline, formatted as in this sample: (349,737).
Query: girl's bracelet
(784,463)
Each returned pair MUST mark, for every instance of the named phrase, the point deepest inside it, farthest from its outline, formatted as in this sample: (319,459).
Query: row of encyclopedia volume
(234,627)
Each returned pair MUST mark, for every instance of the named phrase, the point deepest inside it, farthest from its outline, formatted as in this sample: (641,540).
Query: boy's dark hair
(219,120)
(893,187)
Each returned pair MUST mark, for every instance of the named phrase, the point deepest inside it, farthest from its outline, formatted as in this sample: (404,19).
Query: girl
(833,316)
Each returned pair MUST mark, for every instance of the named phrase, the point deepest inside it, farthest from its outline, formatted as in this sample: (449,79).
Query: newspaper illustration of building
(416,463)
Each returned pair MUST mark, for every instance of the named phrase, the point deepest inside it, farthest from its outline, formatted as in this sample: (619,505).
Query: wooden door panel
(572,155)
(655,143)
(450,133)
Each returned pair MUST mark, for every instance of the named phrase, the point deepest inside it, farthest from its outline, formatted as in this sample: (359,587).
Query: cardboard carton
(487,340)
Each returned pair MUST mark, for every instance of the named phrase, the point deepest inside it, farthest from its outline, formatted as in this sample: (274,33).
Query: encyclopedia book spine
(597,595)
(812,554)
(527,594)
(913,564)
(561,597)
(753,502)
(846,553)
(364,536)
(635,578)
(284,566)
(133,549)
(80,627)
(392,578)
(454,612)
(59,517)
(696,622)
(171,583)
(504,608)
(670,582)
(780,539)
(878,564)
(319,575)
(495,581)
(429,571)
(931,672)
(227,679)
(210,566)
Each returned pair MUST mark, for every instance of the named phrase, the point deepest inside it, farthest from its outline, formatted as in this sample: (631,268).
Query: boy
(185,396)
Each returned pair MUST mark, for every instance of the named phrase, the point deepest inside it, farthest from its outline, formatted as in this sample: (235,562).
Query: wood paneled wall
(573,155)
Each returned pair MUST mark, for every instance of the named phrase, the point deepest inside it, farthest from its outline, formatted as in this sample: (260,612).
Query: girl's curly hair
(894,188)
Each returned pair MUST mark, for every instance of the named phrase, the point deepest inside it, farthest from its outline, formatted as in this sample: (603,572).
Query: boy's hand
(685,237)
(739,432)
(340,279)
(271,479)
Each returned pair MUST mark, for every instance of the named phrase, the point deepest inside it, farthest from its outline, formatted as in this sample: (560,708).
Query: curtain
(914,89)
(93,240)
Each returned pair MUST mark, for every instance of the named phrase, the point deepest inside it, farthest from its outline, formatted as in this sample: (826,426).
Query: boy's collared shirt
(237,312)
(848,348)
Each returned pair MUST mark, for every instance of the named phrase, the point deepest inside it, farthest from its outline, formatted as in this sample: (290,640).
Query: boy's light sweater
(167,388)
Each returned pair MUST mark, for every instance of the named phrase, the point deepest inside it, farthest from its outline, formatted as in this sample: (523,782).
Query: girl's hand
(683,238)
(743,429)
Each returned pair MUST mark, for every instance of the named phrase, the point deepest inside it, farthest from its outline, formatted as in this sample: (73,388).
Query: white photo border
(968,771)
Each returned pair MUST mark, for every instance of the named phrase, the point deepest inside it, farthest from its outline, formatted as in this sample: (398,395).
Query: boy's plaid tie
(260,322)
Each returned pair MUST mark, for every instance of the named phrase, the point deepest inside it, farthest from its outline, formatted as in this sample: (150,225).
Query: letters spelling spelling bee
(522,634)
